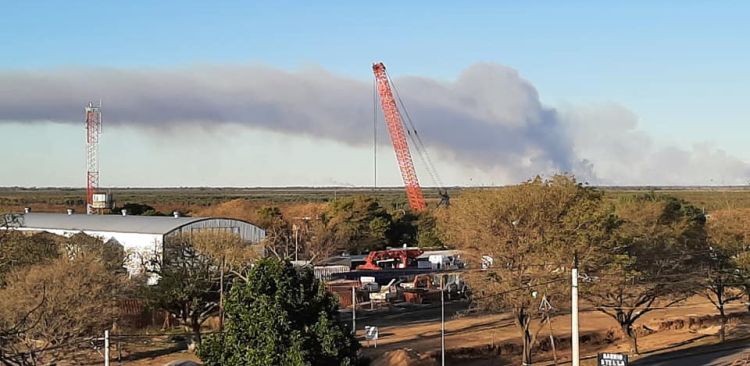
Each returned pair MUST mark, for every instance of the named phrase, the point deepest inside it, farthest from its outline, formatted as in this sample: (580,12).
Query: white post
(574,316)
(354,310)
(296,236)
(442,321)
(106,348)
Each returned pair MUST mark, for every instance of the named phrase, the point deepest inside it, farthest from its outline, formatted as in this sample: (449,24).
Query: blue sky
(679,66)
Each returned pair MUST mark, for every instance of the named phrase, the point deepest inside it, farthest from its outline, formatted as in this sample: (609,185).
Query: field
(190,200)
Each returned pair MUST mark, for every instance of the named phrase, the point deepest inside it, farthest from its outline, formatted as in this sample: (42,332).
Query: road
(404,315)
(705,356)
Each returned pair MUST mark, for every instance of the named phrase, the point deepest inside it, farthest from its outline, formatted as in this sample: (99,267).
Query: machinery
(422,290)
(399,135)
(391,258)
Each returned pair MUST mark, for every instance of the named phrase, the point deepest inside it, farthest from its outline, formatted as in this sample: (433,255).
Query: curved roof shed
(142,234)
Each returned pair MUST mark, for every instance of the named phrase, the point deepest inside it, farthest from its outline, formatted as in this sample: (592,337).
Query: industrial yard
(186,183)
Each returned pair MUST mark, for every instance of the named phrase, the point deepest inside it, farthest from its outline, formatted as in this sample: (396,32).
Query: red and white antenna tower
(93,130)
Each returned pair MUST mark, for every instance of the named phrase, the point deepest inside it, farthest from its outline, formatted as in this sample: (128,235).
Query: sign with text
(371,333)
(612,359)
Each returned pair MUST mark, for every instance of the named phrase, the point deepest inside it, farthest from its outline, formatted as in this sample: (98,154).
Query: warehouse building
(140,236)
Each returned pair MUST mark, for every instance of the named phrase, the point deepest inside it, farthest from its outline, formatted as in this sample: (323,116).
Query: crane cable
(416,140)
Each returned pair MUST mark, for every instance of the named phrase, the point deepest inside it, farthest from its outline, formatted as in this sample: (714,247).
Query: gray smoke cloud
(489,118)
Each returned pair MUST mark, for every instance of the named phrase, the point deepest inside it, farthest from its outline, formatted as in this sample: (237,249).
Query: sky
(279,93)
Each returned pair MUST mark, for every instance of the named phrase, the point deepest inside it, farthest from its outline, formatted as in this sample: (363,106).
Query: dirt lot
(470,337)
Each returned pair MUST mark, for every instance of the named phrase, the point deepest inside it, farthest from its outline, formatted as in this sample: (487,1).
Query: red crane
(406,257)
(398,138)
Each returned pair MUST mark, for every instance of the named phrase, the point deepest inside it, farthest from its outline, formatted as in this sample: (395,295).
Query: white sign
(612,359)
(371,333)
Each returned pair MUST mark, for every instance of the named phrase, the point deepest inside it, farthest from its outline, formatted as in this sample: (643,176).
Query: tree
(110,252)
(355,224)
(278,231)
(188,284)
(531,232)
(417,229)
(192,274)
(55,291)
(648,263)
(723,272)
(18,250)
(59,304)
(280,315)
(732,226)
(137,209)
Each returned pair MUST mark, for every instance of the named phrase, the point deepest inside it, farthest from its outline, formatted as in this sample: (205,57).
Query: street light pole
(295,228)
(354,311)
(574,313)
(442,320)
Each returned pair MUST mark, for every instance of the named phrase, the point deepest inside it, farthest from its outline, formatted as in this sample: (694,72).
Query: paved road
(713,356)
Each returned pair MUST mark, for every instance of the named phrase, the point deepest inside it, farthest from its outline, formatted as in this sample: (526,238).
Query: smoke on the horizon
(489,118)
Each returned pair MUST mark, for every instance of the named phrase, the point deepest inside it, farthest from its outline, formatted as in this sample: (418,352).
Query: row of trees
(55,293)
(636,254)
(353,225)
(58,294)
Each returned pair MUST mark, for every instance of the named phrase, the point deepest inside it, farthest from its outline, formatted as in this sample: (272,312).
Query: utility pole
(442,320)
(574,312)
(106,348)
(354,311)
(295,228)
(221,295)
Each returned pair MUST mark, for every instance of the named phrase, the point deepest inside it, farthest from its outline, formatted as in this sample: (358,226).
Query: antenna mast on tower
(93,130)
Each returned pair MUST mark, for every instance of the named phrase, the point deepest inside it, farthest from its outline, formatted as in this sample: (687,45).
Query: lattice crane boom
(398,138)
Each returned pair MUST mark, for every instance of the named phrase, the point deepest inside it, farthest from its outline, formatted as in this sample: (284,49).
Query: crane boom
(398,138)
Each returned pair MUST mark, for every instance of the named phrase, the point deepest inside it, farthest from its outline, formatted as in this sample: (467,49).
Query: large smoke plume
(489,118)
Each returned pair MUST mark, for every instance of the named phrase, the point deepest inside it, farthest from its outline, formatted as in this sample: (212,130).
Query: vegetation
(58,304)
(644,267)
(638,250)
(280,315)
(190,278)
(530,232)
(726,273)
(55,292)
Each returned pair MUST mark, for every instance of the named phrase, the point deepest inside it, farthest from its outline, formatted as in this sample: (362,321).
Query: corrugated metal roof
(160,225)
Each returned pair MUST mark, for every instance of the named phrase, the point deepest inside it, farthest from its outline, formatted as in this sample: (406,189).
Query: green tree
(651,261)
(278,231)
(194,272)
(137,209)
(724,272)
(531,232)
(280,315)
(418,229)
(188,284)
(355,224)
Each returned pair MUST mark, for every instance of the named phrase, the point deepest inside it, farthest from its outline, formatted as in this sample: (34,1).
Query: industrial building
(140,235)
